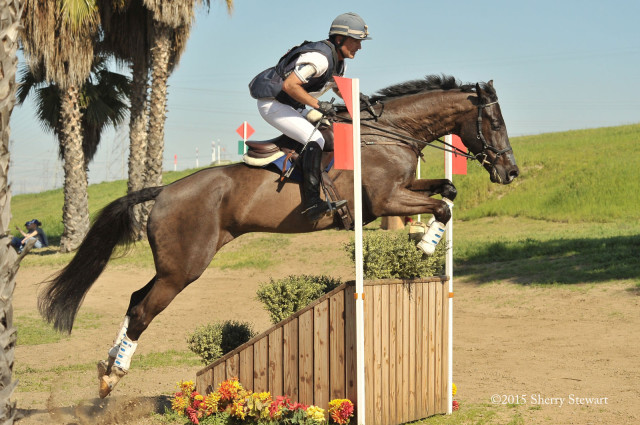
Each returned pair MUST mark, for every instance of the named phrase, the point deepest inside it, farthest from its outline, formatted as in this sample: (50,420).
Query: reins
(403,139)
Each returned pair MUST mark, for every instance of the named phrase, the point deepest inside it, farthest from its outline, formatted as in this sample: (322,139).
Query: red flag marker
(459,162)
(343,146)
(344,85)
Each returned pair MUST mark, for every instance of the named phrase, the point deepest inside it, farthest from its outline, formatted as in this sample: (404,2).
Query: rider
(302,75)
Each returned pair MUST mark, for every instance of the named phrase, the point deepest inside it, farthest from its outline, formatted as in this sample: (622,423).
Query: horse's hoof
(108,382)
(105,386)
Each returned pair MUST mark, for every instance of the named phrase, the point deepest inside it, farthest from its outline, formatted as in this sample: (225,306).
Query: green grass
(477,414)
(32,330)
(538,252)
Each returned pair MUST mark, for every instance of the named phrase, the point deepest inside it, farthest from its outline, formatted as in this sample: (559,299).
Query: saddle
(284,153)
(262,153)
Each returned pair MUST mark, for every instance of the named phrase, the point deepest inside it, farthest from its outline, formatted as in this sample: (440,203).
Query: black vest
(269,82)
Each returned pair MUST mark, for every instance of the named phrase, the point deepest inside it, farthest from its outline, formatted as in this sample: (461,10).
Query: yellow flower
(186,387)
(178,404)
(211,402)
(316,414)
(454,389)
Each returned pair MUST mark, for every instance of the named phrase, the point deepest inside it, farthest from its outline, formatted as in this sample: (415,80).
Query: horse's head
(487,139)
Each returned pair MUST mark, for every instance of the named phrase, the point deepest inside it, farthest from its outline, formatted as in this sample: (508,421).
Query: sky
(556,65)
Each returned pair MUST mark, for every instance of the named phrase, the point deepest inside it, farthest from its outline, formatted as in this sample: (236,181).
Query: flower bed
(231,404)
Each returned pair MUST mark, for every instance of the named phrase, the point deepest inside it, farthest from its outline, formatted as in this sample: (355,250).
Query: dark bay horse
(194,217)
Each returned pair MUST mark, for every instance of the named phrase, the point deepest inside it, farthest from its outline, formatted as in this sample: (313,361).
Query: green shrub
(214,340)
(392,255)
(284,297)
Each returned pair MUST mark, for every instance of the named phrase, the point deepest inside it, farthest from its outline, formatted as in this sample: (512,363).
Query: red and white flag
(343,132)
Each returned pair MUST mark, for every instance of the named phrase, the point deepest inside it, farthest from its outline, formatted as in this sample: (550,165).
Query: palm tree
(172,21)
(10,12)
(127,35)
(103,99)
(61,35)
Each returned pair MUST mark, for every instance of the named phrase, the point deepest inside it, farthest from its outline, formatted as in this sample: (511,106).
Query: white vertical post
(448,172)
(197,159)
(418,174)
(357,200)
(213,151)
(244,136)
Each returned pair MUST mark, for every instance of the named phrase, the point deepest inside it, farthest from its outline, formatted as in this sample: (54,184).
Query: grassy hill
(582,175)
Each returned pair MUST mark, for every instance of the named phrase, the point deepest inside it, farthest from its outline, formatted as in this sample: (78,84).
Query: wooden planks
(311,357)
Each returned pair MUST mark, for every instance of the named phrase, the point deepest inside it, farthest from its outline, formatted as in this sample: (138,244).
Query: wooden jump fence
(311,355)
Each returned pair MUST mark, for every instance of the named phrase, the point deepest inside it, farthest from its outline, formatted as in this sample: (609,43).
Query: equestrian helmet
(351,25)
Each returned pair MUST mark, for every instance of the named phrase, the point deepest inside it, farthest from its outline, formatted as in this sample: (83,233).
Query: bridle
(482,156)
(416,144)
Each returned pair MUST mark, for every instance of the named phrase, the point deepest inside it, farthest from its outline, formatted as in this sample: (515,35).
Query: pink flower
(455,405)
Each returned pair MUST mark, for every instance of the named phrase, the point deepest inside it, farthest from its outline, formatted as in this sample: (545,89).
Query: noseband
(483,155)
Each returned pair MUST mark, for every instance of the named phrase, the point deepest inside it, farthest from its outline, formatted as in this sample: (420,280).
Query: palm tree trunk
(10,11)
(157,108)
(138,132)
(75,211)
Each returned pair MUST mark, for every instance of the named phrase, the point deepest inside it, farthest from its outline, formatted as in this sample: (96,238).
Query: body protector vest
(268,84)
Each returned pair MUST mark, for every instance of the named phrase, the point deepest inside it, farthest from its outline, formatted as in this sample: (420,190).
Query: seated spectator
(33,232)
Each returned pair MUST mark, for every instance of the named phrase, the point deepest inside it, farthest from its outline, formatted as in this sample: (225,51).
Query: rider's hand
(326,108)
(314,116)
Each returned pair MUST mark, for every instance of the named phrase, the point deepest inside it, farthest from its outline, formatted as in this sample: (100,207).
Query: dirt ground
(549,355)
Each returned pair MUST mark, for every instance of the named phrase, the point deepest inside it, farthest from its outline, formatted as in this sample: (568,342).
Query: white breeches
(289,121)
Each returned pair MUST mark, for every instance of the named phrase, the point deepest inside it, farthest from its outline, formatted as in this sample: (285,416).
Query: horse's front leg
(432,187)
(403,202)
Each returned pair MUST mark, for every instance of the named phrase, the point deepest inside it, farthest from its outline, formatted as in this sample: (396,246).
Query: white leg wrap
(449,202)
(123,358)
(119,337)
(431,238)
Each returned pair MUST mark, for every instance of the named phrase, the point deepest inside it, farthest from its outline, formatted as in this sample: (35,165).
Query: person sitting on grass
(34,231)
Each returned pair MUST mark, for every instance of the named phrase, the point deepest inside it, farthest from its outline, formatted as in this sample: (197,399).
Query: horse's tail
(60,299)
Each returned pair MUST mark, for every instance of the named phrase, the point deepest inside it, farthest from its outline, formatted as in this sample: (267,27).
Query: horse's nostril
(513,174)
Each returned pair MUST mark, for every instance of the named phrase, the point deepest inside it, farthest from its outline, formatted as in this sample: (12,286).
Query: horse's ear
(490,83)
(480,93)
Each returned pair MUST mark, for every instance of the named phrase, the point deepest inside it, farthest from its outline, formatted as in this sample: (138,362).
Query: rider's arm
(292,85)
(29,235)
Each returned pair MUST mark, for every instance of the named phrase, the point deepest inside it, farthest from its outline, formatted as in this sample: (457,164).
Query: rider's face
(349,47)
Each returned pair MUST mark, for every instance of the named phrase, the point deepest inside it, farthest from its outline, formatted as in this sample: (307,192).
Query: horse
(194,217)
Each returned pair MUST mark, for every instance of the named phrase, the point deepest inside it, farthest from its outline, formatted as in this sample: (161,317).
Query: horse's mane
(429,83)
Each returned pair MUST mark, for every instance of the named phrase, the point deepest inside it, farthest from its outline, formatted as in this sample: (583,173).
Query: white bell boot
(119,337)
(431,238)
(123,358)
(434,233)
(104,366)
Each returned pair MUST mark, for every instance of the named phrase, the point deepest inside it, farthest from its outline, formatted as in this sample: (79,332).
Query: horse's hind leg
(104,366)
(146,304)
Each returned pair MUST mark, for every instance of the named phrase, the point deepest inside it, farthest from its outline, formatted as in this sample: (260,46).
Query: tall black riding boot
(313,207)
